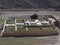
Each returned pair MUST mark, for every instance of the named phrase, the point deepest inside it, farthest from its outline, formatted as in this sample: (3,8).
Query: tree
(57,24)
(34,16)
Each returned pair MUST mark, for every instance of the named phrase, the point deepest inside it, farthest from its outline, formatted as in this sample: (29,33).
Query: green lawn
(2,20)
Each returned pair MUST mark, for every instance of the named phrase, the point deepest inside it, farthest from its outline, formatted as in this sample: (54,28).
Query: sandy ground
(49,40)
(24,13)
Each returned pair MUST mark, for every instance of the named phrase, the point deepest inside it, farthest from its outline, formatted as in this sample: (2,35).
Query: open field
(28,40)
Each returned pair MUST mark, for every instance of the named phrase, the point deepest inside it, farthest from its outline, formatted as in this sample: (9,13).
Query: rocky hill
(29,4)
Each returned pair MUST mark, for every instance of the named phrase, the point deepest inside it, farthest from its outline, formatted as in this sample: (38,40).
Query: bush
(34,16)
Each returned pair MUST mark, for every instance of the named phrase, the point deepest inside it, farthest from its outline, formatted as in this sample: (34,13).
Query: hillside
(29,4)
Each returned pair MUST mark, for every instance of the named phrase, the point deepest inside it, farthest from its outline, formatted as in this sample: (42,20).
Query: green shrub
(46,28)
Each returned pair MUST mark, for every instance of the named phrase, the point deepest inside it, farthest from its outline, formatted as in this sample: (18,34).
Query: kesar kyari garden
(36,25)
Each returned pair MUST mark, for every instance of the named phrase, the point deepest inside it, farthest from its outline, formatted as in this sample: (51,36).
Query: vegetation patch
(19,20)
(43,17)
(34,28)
(46,28)
(2,20)
(10,21)
(21,27)
(9,28)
